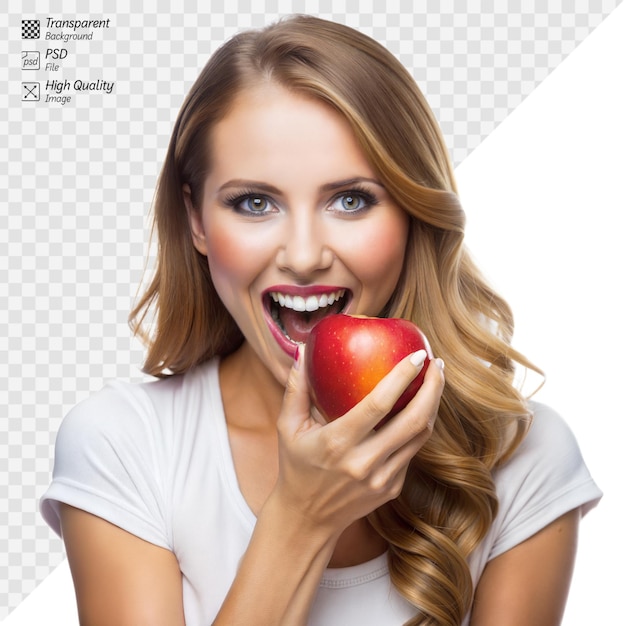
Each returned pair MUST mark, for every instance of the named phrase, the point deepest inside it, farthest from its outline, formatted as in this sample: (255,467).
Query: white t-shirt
(154,459)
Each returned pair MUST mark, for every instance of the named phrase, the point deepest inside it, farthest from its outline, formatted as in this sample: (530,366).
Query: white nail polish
(417,358)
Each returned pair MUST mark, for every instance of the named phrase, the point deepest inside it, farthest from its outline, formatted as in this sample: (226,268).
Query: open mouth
(296,315)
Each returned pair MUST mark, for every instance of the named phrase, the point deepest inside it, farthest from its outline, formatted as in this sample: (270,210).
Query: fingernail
(417,358)
(296,359)
(440,364)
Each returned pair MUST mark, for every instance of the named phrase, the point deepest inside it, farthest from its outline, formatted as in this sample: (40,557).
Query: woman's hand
(333,474)
(330,475)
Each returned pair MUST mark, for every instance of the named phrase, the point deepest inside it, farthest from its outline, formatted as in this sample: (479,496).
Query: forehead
(270,130)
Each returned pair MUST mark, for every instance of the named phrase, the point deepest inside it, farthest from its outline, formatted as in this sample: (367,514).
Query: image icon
(30,59)
(30,29)
(30,92)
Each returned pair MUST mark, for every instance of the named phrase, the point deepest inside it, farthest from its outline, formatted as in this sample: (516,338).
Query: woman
(306,167)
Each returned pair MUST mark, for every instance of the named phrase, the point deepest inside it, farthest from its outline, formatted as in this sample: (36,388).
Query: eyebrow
(339,184)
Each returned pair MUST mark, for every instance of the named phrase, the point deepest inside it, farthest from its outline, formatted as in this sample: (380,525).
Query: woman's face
(294,222)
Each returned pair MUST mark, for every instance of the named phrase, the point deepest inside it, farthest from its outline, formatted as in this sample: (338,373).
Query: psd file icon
(30,29)
(30,60)
(30,92)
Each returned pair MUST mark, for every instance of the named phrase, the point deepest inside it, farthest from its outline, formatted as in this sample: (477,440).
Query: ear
(196,226)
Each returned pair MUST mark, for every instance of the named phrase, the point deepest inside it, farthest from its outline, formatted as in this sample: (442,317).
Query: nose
(305,249)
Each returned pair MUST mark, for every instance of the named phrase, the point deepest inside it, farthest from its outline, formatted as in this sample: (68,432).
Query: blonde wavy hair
(449,499)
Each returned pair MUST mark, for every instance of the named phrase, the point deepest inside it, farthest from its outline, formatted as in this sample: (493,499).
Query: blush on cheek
(226,261)
(379,255)
(224,252)
(389,249)
(234,259)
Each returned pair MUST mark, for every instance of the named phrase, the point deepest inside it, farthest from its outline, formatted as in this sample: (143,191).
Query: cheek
(376,253)
(235,257)
(224,254)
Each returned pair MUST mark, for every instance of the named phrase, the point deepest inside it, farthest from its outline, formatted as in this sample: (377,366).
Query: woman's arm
(529,583)
(120,579)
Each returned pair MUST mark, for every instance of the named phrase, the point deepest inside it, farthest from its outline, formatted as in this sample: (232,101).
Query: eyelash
(368,198)
(234,201)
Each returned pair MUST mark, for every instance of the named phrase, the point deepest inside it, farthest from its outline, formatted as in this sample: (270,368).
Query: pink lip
(290,347)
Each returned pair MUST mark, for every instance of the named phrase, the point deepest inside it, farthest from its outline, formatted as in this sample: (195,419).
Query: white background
(546,206)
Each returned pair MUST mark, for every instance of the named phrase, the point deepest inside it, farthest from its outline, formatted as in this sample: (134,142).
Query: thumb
(296,408)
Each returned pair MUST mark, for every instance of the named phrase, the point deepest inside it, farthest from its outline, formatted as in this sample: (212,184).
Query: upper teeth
(310,303)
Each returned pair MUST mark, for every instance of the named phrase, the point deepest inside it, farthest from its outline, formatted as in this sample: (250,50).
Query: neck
(252,400)
(250,392)
(357,544)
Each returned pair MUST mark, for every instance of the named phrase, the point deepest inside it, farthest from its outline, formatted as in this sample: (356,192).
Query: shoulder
(549,442)
(117,451)
(134,411)
(544,478)
(120,413)
(550,450)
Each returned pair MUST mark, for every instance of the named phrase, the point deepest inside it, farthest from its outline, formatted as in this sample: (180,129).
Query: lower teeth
(279,323)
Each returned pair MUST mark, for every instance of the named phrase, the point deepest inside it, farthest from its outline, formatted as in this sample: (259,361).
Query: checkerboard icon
(30,29)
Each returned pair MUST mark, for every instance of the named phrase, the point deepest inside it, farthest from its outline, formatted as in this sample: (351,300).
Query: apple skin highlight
(346,356)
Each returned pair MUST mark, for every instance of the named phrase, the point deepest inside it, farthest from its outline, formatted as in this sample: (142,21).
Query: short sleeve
(109,461)
(545,478)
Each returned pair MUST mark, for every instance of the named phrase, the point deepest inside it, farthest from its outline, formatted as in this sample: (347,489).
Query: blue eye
(353,201)
(255,204)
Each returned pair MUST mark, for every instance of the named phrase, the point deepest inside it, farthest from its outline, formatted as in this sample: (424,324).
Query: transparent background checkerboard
(76,184)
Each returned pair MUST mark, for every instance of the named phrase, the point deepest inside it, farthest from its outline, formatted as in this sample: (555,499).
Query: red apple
(346,356)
